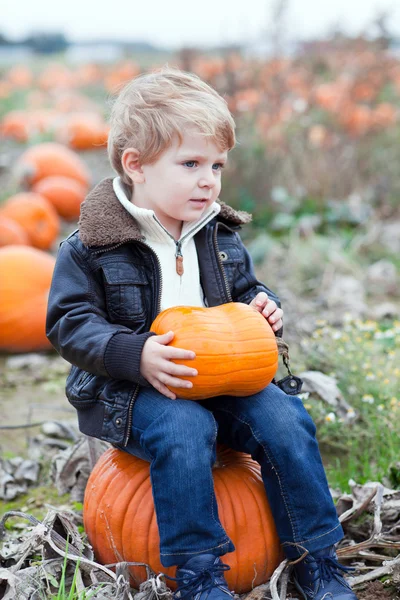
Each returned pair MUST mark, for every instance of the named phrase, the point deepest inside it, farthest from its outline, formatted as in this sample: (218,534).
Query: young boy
(157,236)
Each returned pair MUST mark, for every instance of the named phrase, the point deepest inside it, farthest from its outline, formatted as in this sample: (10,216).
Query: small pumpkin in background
(11,232)
(64,193)
(50,158)
(236,349)
(35,215)
(16,125)
(25,278)
(83,131)
(120,522)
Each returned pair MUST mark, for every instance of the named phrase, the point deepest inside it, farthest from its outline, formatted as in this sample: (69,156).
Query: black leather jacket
(106,292)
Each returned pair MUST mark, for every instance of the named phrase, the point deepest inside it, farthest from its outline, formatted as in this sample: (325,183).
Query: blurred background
(315,92)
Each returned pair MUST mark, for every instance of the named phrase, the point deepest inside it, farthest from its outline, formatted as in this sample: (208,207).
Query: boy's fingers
(174,381)
(164,338)
(160,387)
(171,352)
(277,314)
(269,308)
(179,370)
(261,298)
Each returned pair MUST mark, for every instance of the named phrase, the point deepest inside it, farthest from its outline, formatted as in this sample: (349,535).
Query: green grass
(72,593)
(34,502)
(363,357)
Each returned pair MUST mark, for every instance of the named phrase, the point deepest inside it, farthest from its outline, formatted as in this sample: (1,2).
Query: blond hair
(154,107)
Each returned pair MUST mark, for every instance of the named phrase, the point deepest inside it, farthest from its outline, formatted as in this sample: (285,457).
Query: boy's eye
(191,163)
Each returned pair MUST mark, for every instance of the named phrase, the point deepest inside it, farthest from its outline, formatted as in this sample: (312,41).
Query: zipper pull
(179,258)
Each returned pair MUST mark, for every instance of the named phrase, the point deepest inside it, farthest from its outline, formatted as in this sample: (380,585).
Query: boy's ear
(131,165)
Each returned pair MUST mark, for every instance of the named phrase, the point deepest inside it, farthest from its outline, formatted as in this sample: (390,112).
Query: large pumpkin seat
(121,525)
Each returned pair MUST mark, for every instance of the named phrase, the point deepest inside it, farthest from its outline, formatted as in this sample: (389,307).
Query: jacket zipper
(227,290)
(158,308)
(135,392)
(178,243)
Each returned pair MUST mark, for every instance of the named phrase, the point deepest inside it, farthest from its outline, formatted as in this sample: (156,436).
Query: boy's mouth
(199,200)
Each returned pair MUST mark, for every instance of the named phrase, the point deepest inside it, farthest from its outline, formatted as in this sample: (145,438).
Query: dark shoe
(201,578)
(318,577)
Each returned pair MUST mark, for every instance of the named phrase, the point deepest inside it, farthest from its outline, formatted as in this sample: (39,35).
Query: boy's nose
(207,181)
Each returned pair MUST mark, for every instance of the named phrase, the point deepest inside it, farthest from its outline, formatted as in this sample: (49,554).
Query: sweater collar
(151,227)
(104,220)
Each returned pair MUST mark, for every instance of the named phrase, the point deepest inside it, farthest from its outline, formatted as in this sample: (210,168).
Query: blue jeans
(179,438)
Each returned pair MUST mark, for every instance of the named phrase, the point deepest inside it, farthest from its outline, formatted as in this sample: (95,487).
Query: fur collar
(104,221)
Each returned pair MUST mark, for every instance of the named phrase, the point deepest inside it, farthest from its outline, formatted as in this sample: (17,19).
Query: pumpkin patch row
(25,280)
(79,131)
(56,183)
(350,96)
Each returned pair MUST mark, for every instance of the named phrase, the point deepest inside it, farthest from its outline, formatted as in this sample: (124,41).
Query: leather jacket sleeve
(248,286)
(77,325)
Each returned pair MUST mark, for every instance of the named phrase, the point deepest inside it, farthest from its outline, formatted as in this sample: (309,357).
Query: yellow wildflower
(368,399)
(330,417)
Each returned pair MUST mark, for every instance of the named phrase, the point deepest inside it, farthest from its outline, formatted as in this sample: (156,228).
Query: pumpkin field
(318,165)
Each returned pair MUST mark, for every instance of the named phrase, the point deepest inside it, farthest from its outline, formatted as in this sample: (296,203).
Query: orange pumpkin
(357,119)
(50,158)
(384,115)
(20,76)
(16,125)
(6,89)
(119,517)
(64,193)
(236,349)
(83,132)
(25,278)
(36,216)
(12,233)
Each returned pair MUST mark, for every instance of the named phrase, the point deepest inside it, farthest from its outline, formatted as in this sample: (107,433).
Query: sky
(173,23)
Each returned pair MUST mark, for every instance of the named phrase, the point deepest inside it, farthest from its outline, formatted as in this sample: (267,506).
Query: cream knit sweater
(177,290)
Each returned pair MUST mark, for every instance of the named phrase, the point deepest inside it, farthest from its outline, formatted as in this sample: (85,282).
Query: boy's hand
(269,310)
(156,365)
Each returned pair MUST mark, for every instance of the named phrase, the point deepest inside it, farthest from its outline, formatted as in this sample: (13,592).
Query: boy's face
(183,182)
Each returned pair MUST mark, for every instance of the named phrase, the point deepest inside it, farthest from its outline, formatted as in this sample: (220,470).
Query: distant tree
(47,43)
(381,23)
(4,41)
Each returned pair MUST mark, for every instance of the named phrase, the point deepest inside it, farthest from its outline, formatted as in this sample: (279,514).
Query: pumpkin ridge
(110,481)
(236,510)
(242,369)
(263,352)
(269,529)
(243,481)
(133,501)
(155,527)
(263,524)
(227,514)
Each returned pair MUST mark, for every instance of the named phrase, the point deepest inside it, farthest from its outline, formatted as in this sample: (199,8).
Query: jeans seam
(195,552)
(142,445)
(316,537)
(291,519)
(212,490)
